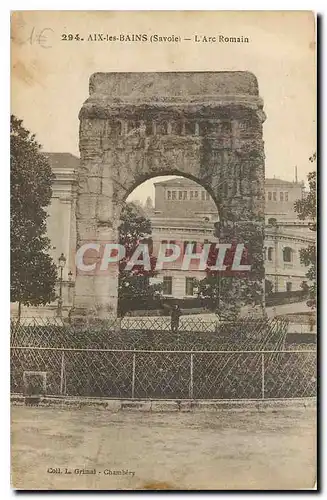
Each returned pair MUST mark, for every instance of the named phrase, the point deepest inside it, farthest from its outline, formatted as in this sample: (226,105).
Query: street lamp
(62,262)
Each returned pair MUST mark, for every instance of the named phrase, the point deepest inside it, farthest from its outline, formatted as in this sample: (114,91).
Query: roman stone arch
(134,126)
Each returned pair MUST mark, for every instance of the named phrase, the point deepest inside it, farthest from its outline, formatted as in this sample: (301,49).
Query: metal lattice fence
(247,359)
(168,374)
(152,334)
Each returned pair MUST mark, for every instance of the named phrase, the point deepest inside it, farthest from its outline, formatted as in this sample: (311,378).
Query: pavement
(86,448)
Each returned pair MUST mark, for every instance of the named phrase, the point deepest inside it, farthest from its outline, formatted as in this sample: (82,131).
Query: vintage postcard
(163,250)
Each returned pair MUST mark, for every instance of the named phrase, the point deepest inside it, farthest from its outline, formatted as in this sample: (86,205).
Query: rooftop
(184,182)
(178,182)
(62,160)
(281,182)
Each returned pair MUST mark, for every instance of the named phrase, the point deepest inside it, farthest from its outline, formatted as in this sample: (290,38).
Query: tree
(33,273)
(307,209)
(227,292)
(134,285)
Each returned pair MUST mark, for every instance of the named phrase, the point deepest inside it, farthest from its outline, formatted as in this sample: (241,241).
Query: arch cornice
(102,107)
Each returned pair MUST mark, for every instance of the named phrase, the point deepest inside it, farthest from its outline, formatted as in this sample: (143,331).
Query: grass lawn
(230,449)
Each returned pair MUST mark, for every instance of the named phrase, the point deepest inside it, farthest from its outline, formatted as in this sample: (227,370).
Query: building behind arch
(182,211)
(285,235)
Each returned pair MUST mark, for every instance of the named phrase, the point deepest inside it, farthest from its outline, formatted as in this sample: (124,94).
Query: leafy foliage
(307,209)
(33,273)
(228,291)
(134,284)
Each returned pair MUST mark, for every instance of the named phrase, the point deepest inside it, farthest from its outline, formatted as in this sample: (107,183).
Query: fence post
(133,374)
(191,377)
(263,375)
(62,372)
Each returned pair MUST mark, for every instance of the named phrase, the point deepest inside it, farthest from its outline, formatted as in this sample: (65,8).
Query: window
(274,196)
(288,286)
(270,254)
(173,195)
(176,128)
(202,128)
(142,281)
(272,221)
(269,196)
(168,195)
(116,128)
(148,128)
(192,249)
(265,253)
(168,251)
(189,127)
(194,194)
(203,195)
(286,196)
(287,254)
(149,243)
(162,128)
(226,127)
(180,195)
(207,196)
(281,196)
(185,246)
(184,195)
(167,285)
(189,286)
(132,125)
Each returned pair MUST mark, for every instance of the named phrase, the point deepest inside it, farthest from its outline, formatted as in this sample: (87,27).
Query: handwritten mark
(40,37)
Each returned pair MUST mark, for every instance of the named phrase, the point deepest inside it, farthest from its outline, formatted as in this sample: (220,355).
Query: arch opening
(172,216)
(149,177)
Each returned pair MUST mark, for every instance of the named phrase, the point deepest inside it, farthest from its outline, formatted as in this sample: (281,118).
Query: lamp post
(62,262)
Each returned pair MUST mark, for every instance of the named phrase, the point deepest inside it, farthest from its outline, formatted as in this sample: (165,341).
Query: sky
(50,76)
(146,189)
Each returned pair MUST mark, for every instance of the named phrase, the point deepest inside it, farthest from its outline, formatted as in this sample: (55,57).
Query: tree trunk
(18,317)
(19,313)
(14,334)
